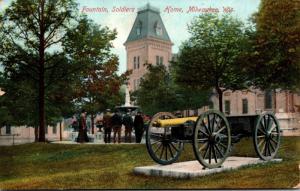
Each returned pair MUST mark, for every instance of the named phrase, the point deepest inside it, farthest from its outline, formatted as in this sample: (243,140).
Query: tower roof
(148,23)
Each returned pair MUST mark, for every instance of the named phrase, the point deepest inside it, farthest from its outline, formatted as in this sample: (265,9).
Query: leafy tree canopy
(212,57)
(276,49)
(158,92)
(97,86)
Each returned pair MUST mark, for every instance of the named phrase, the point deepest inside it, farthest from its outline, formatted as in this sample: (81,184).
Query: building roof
(148,23)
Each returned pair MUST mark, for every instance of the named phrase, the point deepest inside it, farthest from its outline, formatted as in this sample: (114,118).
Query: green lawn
(110,166)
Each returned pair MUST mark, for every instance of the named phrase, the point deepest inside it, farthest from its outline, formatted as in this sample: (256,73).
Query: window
(245,106)
(139,28)
(268,99)
(159,31)
(8,129)
(138,31)
(134,63)
(158,28)
(157,60)
(227,107)
(138,62)
(161,59)
(54,130)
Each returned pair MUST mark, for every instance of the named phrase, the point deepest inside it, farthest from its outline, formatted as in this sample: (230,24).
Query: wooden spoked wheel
(266,136)
(212,139)
(161,146)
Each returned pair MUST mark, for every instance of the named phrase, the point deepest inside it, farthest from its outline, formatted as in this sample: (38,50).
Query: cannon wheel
(162,148)
(266,136)
(212,139)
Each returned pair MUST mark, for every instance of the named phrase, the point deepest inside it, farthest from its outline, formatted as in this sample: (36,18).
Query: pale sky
(175,23)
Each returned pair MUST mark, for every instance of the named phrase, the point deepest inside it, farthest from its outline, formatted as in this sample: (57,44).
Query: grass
(37,165)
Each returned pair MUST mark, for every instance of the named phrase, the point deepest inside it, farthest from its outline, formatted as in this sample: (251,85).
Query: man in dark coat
(128,123)
(107,126)
(116,121)
(82,134)
(138,127)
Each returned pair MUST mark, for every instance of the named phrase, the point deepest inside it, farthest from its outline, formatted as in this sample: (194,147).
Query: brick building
(285,104)
(148,42)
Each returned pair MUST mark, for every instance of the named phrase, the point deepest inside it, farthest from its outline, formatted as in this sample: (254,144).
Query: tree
(276,49)
(192,98)
(32,28)
(158,92)
(98,83)
(211,58)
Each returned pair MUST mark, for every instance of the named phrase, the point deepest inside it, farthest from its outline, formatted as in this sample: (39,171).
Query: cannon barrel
(173,122)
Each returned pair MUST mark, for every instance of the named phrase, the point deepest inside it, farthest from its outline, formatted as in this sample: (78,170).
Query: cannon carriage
(211,135)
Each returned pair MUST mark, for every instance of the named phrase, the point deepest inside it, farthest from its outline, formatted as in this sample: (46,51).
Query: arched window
(134,62)
(227,107)
(245,105)
(8,129)
(158,28)
(139,28)
(268,99)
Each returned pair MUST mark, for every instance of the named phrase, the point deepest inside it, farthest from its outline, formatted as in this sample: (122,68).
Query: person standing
(128,123)
(138,127)
(82,135)
(107,126)
(117,126)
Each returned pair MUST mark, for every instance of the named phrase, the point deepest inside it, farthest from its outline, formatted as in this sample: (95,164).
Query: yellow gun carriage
(211,134)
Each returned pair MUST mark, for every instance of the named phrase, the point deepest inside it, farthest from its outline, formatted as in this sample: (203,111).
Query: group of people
(114,121)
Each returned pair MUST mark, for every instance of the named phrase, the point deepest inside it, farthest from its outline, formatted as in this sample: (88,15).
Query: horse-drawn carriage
(212,135)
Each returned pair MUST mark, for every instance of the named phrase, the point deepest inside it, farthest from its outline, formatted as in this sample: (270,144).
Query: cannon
(211,135)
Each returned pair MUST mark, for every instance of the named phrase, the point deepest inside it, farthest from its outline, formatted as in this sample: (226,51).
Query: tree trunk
(42,77)
(92,122)
(36,133)
(60,131)
(41,100)
(220,94)
(41,108)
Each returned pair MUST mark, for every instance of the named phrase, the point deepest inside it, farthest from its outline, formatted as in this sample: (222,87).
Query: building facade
(11,135)
(285,105)
(148,43)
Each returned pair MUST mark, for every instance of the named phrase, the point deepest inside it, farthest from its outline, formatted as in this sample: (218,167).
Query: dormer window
(139,28)
(158,29)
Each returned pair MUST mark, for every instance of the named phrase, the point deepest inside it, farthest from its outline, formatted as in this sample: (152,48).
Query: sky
(175,22)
